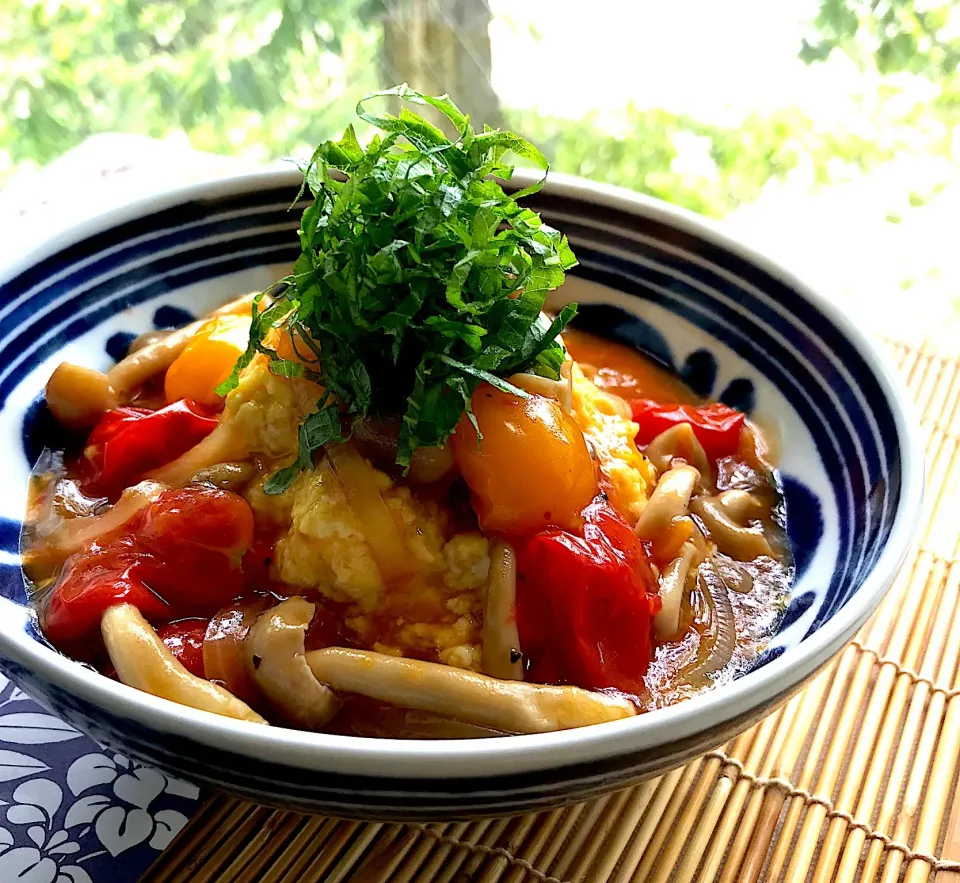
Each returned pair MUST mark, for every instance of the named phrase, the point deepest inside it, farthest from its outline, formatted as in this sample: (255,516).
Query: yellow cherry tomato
(207,360)
(530,470)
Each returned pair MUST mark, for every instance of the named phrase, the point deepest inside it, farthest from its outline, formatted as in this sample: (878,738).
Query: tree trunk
(442,46)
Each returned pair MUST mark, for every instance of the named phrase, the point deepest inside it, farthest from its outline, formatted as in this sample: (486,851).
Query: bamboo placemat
(854,779)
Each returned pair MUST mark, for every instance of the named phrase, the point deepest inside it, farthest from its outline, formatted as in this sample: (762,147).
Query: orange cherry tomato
(530,470)
(207,360)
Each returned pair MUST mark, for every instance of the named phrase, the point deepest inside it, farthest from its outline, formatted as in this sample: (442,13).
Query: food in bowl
(390,496)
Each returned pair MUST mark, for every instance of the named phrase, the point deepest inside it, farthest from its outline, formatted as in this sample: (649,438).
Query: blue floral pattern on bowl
(700,370)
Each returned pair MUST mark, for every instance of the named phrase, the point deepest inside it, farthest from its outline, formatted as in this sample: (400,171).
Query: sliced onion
(387,545)
(223,657)
(716,649)
(75,533)
(670,499)
(735,578)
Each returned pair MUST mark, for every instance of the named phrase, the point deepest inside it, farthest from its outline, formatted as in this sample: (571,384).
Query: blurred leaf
(895,35)
(264,77)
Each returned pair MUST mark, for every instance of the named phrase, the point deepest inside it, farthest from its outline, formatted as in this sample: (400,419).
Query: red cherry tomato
(196,538)
(198,518)
(194,581)
(584,604)
(129,442)
(184,639)
(181,557)
(717,426)
(92,581)
(258,562)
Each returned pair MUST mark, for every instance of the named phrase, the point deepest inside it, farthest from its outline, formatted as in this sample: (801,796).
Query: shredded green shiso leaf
(419,278)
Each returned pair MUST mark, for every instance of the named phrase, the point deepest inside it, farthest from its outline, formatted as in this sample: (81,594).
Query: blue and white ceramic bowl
(733,323)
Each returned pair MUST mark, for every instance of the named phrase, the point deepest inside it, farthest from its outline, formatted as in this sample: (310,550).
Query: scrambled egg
(267,410)
(324,548)
(467,559)
(438,613)
(606,424)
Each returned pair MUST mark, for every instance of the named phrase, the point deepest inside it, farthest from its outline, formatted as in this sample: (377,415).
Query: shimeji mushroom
(669,500)
(143,661)
(501,640)
(678,443)
(78,397)
(673,580)
(729,527)
(274,652)
(510,706)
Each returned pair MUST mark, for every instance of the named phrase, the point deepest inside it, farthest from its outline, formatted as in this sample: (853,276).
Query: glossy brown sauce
(621,370)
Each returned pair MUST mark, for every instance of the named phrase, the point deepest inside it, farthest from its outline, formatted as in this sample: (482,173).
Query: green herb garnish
(419,278)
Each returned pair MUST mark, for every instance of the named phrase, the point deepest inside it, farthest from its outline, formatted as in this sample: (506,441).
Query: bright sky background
(720,60)
(714,59)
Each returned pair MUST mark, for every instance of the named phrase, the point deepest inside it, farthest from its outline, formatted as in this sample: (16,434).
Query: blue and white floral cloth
(71,812)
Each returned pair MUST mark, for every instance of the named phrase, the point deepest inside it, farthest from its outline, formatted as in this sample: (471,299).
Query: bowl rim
(435,759)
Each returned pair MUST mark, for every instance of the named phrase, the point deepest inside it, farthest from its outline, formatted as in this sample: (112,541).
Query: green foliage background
(267,78)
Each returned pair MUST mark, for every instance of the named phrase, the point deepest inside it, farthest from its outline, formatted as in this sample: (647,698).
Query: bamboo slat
(854,780)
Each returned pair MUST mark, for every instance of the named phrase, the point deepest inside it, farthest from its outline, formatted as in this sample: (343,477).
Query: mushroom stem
(274,652)
(224,444)
(137,368)
(740,505)
(501,640)
(666,622)
(143,661)
(670,500)
(464,695)
(739,541)
(678,443)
